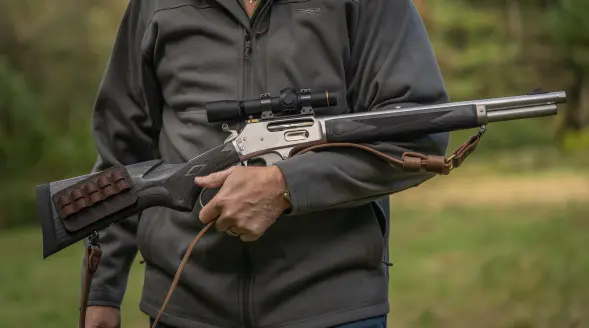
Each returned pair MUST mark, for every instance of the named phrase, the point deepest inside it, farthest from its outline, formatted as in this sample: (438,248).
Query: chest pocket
(194,53)
(308,45)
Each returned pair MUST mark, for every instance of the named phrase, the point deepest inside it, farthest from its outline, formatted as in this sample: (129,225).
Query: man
(302,243)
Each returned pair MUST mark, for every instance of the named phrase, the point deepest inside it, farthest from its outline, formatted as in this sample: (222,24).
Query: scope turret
(288,103)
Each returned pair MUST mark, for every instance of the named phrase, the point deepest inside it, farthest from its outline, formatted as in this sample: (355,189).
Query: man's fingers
(223,223)
(210,212)
(253,230)
(229,220)
(213,180)
(248,237)
(236,230)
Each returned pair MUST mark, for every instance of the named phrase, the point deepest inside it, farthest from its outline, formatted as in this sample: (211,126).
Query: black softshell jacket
(322,264)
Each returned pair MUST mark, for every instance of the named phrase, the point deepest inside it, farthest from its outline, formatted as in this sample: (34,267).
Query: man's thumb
(213,180)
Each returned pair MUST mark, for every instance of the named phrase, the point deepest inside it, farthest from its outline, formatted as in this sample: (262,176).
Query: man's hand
(103,317)
(249,201)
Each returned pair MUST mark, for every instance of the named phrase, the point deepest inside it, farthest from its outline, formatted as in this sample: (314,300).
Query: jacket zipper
(247,277)
(247,93)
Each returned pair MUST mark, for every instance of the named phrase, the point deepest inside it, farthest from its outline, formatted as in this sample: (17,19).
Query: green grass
(38,293)
(460,267)
(516,268)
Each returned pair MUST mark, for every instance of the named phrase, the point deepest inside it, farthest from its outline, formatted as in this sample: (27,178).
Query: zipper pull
(248,45)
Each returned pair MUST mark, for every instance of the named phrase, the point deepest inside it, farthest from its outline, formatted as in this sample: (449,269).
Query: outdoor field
(472,249)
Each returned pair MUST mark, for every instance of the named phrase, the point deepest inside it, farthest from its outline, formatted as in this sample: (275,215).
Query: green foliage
(502,48)
(22,139)
(32,147)
(476,57)
(576,141)
(53,57)
(21,133)
(569,29)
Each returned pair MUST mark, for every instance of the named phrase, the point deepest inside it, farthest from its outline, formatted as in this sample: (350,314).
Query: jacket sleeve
(125,132)
(392,64)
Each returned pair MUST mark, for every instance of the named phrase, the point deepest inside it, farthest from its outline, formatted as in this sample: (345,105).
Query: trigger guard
(206,195)
(269,158)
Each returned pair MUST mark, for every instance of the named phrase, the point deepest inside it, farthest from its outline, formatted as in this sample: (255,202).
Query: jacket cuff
(293,170)
(100,297)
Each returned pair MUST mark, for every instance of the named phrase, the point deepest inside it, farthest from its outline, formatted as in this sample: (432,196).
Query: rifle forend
(276,128)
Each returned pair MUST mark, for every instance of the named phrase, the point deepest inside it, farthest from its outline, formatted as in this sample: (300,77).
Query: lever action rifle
(275,129)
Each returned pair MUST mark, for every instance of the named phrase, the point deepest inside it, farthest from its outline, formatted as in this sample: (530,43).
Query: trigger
(256,161)
(263,160)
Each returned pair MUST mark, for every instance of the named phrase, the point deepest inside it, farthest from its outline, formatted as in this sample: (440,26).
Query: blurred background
(502,242)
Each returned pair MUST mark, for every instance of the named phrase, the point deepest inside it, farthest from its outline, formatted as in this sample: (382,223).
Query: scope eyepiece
(288,103)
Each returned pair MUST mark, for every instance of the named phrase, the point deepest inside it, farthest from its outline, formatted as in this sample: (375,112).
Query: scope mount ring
(306,107)
(266,104)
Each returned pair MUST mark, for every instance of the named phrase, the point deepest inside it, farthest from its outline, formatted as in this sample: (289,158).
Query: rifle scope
(288,103)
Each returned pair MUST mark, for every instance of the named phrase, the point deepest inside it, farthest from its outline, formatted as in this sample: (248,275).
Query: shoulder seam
(146,26)
(164,9)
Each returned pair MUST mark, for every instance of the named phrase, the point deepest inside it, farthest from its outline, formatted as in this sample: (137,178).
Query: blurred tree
(491,48)
(21,141)
(568,28)
(555,43)
(52,56)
